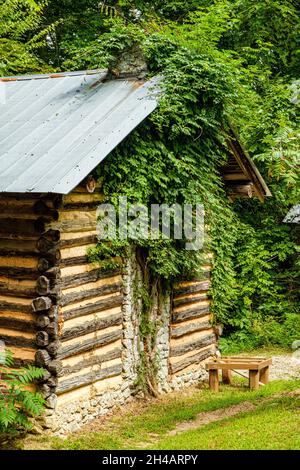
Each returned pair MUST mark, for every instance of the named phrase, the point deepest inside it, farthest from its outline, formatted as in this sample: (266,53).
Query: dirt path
(212,416)
(285,367)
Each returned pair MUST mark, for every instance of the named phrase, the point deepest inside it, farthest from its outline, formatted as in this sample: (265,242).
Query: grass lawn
(272,422)
(272,426)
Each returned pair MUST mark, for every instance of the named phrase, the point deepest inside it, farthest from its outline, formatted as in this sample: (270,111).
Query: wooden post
(254,379)
(264,375)
(214,380)
(226,376)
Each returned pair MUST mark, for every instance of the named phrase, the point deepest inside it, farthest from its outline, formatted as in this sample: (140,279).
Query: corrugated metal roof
(55,129)
(293,216)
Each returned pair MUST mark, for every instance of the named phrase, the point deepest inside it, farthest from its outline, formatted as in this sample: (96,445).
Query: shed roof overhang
(240,173)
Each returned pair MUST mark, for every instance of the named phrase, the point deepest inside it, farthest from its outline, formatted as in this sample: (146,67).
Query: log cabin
(58,310)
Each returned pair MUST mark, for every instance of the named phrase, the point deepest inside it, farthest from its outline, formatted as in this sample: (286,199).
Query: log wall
(27,260)
(81,322)
(192,338)
(90,349)
(56,309)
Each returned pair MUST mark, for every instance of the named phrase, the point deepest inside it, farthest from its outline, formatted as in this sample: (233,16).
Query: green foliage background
(222,60)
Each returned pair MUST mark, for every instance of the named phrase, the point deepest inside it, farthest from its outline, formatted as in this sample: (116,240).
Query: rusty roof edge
(53,75)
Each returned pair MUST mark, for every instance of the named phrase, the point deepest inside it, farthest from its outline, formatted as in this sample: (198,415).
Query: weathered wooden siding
(192,339)
(90,347)
(24,262)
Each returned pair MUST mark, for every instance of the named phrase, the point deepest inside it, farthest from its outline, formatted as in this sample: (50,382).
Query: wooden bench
(258,370)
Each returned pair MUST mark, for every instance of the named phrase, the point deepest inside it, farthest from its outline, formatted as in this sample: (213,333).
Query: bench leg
(254,379)
(264,375)
(214,380)
(226,376)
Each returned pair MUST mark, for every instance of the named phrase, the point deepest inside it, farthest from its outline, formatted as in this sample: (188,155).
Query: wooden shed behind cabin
(57,310)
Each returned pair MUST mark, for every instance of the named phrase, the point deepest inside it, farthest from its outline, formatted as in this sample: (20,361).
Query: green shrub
(271,332)
(268,332)
(17,403)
